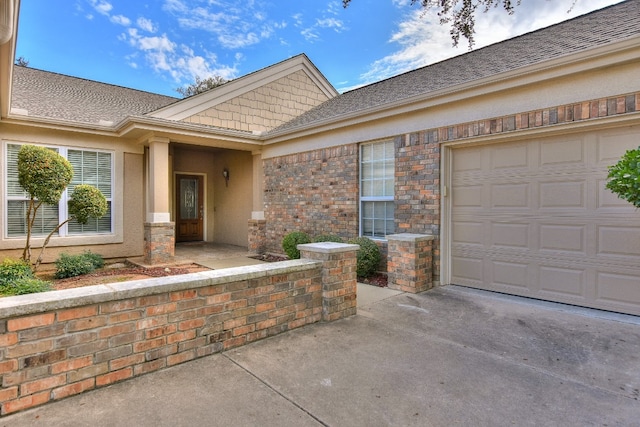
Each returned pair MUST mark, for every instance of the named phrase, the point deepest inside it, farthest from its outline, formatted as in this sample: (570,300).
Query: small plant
(77,265)
(16,278)
(96,259)
(12,270)
(25,286)
(328,238)
(368,256)
(624,177)
(292,240)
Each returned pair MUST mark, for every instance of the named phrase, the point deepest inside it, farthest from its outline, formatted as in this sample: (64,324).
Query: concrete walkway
(449,356)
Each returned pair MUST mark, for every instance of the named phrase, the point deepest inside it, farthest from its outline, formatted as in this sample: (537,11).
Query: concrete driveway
(450,356)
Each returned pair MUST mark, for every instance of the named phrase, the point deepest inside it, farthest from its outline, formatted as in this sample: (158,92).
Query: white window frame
(388,174)
(63,204)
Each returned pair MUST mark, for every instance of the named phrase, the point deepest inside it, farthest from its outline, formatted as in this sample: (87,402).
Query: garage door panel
(509,235)
(510,274)
(468,271)
(558,282)
(618,288)
(509,157)
(510,196)
(562,194)
(607,200)
(565,152)
(534,218)
(611,146)
(468,232)
(619,241)
(468,196)
(563,237)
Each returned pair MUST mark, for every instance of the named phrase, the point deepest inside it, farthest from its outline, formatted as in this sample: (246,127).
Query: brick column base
(339,281)
(257,236)
(410,262)
(159,242)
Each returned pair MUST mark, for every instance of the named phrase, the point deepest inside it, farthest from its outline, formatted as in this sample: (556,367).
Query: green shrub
(75,265)
(12,270)
(292,240)
(327,238)
(16,278)
(624,177)
(96,259)
(368,256)
(24,286)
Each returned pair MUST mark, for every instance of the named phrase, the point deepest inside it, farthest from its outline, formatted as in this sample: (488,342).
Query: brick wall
(315,192)
(65,342)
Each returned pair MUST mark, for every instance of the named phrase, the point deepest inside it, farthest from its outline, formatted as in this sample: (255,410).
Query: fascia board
(7,58)
(602,56)
(195,104)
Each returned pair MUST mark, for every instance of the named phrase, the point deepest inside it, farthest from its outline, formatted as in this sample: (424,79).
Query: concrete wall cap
(328,247)
(410,237)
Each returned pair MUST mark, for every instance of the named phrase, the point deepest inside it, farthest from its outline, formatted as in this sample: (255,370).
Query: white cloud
(101,6)
(120,20)
(421,40)
(146,25)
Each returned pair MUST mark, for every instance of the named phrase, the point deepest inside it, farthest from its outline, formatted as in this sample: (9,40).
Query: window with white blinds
(89,167)
(377,179)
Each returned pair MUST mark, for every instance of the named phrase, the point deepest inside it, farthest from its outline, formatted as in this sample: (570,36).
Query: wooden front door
(189,208)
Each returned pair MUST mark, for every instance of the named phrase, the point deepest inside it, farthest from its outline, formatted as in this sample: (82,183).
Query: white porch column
(158,186)
(159,231)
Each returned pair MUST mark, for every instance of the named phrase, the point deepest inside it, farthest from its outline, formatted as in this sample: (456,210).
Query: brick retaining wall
(57,344)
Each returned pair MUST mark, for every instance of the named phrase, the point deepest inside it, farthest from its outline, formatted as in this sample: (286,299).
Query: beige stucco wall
(227,208)
(233,203)
(128,212)
(266,107)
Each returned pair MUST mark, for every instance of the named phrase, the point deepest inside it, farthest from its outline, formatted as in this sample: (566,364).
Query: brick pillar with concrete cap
(339,280)
(410,262)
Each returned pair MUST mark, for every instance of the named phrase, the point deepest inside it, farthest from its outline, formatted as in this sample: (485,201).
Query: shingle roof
(56,96)
(597,28)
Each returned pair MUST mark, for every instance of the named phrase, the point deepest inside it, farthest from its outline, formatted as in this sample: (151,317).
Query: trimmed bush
(368,256)
(12,270)
(25,286)
(77,265)
(16,278)
(292,240)
(624,177)
(327,238)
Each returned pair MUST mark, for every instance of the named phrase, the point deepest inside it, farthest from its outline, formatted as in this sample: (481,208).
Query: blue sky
(159,45)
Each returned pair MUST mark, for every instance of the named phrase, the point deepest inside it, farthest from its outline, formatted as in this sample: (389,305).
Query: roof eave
(623,51)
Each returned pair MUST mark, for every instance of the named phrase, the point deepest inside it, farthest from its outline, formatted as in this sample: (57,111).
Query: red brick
(30,321)
(116,306)
(86,323)
(77,313)
(43,384)
(120,329)
(181,336)
(25,402)
(70,365)
(75,388)
(8,366)
(183,295)
(123,362)
(159,331)
(152,366)
(190,324)
(161,309)
(113,377)
(8,393)
(29,348)
(174,359)
(125,316)
(148,345)
(8,339)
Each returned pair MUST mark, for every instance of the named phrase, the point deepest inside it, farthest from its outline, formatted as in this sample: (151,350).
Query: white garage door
(534,218)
